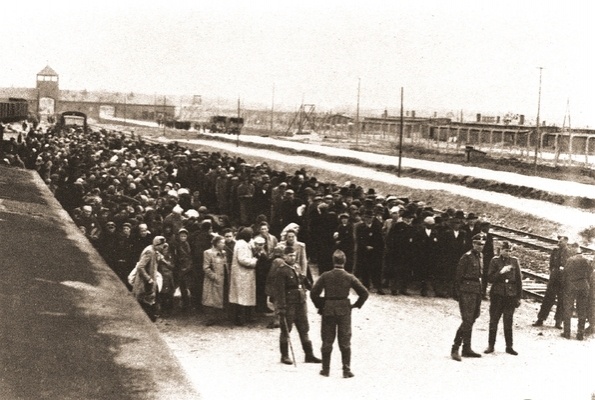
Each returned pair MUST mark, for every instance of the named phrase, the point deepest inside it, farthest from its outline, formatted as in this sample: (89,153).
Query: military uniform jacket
(508,284)
(468,276)
(289,287)
(577,273)
(336,285)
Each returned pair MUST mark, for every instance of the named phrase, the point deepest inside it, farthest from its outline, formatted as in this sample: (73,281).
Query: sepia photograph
(297,200)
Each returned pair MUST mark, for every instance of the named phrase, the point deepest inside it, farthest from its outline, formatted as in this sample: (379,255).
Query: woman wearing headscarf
(144,286)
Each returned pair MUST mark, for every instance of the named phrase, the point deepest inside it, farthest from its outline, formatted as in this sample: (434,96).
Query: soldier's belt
(335,298)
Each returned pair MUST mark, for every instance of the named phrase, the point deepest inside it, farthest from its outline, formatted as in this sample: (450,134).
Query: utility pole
(238,134)
(164,115)
(273,108)
(401,136)
(357,115)
(537,133)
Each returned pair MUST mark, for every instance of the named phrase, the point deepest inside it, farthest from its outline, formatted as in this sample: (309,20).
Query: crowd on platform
(211,213)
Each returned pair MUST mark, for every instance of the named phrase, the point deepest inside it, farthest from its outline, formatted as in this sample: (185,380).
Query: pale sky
(475,56)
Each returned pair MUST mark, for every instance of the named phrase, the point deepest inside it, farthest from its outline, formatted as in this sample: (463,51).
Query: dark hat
(408,214)
(369,213)
(506,246)
(459,214)
(562,236)
(309,191)
(371,192)
(471,216)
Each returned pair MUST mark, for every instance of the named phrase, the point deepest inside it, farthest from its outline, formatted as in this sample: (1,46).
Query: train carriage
(13,110)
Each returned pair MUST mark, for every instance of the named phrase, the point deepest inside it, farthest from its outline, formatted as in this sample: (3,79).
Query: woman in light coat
(216,277)
(144,286)
(242,290)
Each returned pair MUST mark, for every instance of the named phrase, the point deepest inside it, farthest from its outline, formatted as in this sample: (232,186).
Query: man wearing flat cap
(554,290)
(467,290)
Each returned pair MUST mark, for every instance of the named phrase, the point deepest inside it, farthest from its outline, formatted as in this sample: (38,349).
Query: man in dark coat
(467,291)
(427,247)
(454,244)
(400,253)
(335,308)
(554,288)
(505,295)
(344,240)
(369,249)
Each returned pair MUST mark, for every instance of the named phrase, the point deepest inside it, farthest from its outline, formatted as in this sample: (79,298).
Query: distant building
(46,100)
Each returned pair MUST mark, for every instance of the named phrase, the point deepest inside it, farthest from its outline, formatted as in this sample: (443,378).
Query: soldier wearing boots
(335,309)
(576,284)
(505,295)
(467,290)
(290,297)
(554,292)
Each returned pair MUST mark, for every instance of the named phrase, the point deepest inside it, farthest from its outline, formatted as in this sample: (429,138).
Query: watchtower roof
(47,71)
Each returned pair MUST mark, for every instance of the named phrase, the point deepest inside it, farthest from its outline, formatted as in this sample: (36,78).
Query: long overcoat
(214,266)
(146,267)
(242,288)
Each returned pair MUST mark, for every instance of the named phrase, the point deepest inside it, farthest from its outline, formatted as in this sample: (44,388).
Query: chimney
(478,117)
(413,113)
(521,119)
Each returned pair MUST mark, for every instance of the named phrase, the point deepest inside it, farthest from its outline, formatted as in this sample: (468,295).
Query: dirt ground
(401,349)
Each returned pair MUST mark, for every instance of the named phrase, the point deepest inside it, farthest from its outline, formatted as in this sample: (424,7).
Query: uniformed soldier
(289,295)
(576,284)
(335,308)
(554,291)
(467,290)
(505,295)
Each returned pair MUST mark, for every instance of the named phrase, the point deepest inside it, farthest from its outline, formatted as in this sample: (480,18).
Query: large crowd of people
(212,227)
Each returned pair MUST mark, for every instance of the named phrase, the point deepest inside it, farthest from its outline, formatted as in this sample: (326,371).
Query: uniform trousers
(554,290)
(501,306)
(469,306)
(581,296)
(333,325)
(296,314)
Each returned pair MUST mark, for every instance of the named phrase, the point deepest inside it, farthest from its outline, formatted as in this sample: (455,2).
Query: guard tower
(48,92)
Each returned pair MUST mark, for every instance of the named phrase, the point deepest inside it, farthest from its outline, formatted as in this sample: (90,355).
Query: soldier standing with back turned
(335,308)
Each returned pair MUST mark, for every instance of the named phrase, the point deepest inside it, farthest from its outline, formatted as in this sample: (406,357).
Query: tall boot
(454,351)
(346,359)
(508,339)
(284,347)
(310,358)
(580,333)
(326,363)
(467,351)
(491,342)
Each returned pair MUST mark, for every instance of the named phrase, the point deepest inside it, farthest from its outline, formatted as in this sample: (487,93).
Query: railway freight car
(13,109)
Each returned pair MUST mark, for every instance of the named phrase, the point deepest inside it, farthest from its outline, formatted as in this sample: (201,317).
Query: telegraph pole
(401,136)
(359,80)
(273,108)
(238,134)
(537,133)
(164,115)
